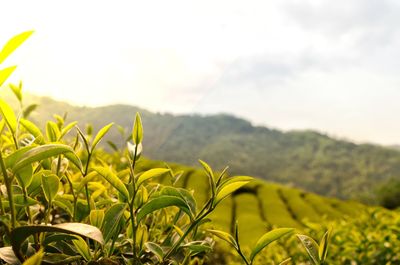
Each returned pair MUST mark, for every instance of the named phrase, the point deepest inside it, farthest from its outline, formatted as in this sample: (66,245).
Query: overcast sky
(327,65)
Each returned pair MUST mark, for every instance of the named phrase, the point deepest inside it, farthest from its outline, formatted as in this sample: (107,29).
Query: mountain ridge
(303,158)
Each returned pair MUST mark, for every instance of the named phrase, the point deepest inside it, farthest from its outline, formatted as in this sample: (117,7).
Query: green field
(263,205)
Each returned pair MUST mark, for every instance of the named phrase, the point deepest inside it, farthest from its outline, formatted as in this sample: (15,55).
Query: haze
(325,65)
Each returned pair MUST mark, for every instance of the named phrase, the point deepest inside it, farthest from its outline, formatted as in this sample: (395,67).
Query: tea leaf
(137,131)
(113,180)
(162,202)
(230,186)
(5,73)
(32,128)
(50,186)
(13,44)
(197,247)
(96,218)
(28,110)
(19,234)
(268,238)
(101,134)
(155,249)
(17,91)
(67,128)
(112,219)
(42,152)
(35,259)
(323,247)
(8,114)
(311,247)
(155,172)
(286,261)
(224,236)
(82,248)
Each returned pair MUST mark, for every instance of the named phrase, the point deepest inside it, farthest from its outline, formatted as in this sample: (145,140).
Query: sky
(331,66)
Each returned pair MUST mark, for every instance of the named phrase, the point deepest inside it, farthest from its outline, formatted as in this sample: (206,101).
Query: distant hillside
(305,159)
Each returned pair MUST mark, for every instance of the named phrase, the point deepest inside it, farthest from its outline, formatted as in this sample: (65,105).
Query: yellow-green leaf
(101,134)
(113,180)
(230,186)
(32,129)
(8,115)
(82,248)
(36,259)
(323,247)
(311,247)
(154,172)
(163,202)
(96,218)
(42,152)
(268,238)
(50,186)
(137,131)
(5,73)
(13,44)
(224,236)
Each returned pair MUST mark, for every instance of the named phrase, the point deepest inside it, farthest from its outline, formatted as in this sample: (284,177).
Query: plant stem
(84,175)
(8,182)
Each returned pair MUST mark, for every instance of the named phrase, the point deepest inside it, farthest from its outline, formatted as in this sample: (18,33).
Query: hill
(305,159)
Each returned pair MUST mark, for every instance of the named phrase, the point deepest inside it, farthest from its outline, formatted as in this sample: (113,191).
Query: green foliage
(389,194)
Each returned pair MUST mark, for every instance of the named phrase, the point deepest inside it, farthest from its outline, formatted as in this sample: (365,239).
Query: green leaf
(57,237)
(52,131)
(5,73)
(323,247)
(8,255)
(32,129)
(50,184)
(197,247)
(224,236)
(17,91)
(137,131)
(268,238)
(113,180)
(101,134)
(285,262)
(60,259)
(154,172)
(96,218)
(112,219)
(155,249)
(89,177)
(231,185)
(35,259)
(82,248)
(28,110)
(311,247)
(41,152)
(71,156)
(19,234)
(68,128)
(8,114)
(182,193)
(160,202)
(207,168)
(20,200)
(13,44)
(24,176)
